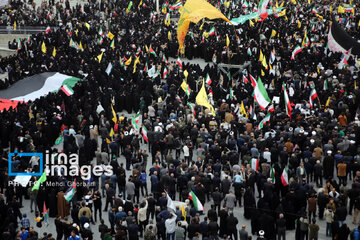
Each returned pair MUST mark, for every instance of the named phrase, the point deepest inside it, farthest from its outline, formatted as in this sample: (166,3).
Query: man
(281,227)
(179,232)
(170,227)
(232,221)
(230,201)
(217,198)
(314,230)
(25,222)
(243,233)
(59,228)
(24,234)
(74,236)
(149,234)
(85,210)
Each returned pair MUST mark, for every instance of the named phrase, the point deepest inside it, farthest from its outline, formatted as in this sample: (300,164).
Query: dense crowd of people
(187,151)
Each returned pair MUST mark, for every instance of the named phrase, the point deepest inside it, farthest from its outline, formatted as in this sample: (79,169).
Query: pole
(157,5)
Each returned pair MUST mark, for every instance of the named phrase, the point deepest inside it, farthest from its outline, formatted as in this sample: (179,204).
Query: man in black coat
(231,225)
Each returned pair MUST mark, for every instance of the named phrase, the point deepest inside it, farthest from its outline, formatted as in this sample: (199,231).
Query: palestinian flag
(19,44)
(287,101)
(46,215)
(164,59)
(208,79)
(144,132)
(245,4)
(39,182)
(100,32)
(197,204)
(151,51)
(212,31)
(67,90)
(138,51)
(263,14)
(272,175)
(296,50)
(179,62)
(47,30)
(325,86)
(284,177)
(314,10)
(264,121)
(165,74)
(70,192)
(192,109)
(260,95)
(36,86)
(254,163)
(249,52)
(313,96)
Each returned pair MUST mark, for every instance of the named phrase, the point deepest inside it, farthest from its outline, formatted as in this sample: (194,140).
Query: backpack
(303,226)
(356,234)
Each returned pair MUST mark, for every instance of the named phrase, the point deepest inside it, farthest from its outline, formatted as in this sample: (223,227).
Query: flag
(227,41)
(169,35)
(45,215)
(135,121)
(87,25)
(271,107)
(114,114)
(191,109)
(245,79)
(110,35)
(264,63)
(263,14)
(47,30)
(151,51)
(202,99)
(252,113)
(111,132)
(253,81)
(99,57)
(170,203)
(183,213)
(296,50)
(261,56)
(195,11)
(242,109)
(313,96)
(165,74)
(273,33)
(231,93)
(39,181)
(212,31)
(328,102)
(112,44)
(284,177)
(70,192)
(129,6)
(254,163)
(325,86)
(272,57)
(186,88)
(67,90)
(245,4)
(287,101)
(179,62)
(100,32)
(164,59)
(135,63)
(299,23)
(197,204)
(176,5)
(314,10)
(54,52)
(108,69)
(272,175)
(260,94)
(59,140)
(19,44)
(264,121)
(341,9)
(249,52)
(144,132)
(208,80)
(14,25)
(305,42)
(101,40)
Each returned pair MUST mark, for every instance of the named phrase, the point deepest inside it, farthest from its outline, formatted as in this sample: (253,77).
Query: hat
(329,152)
(301,131)
(261,233)
(313,133)
(120,209)
(74,225)
(352,141)
(126,133)
(290,129)
(86,225)
(312,140)
(269,179)
(306,133)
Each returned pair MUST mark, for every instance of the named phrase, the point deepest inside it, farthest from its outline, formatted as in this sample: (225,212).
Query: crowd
(209,155)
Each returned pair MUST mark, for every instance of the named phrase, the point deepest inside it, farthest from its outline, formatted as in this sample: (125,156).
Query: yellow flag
(309,2)
(318,69)
(261,57)
(112,132)
(341,9)
(81,47)
(202,25)
(183,213)
(270,66)
(299,23)
(184,86)
(227,40)
(242,109)
(128,62)
(319,16)
(256,19)
(87,26)
(282,4)
(293,2)
(273,33)
(146,48)
(140,3)
(99,58)
(110,35)
(136,62)
(202,99)
(227,4)
(264,63)
(54,52)
(114,115)
(262,73)
(331,9)
(76,32)
(15,25)
(251,23)
(186,74)
(355,84)
(43,47)
(194,11)
(327,102)
(276,4)
(108,141)
(169,35)
(282,13)
(359,23)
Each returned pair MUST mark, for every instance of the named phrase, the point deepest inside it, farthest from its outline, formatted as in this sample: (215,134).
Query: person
(329,217)
(25,222)
(281,227)
(314,230)
(103,228)
(74,236)
(304,226)
(149,234)
(179,232)
(356,209)
(170,227)
(232,221)
(243,233)
(24,234)
(59,228)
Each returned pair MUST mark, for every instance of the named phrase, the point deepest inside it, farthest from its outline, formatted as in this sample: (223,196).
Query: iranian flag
(165,74)
(272,175)
(197,204)
(313,96)
(192,109)
(272,57)
(284,177)
(101,33)
(112,44)
(138,51)
(27,40)
(212,31)
(254,163)
(47,30)
(295,51)
(245,79)
(144,132)
(179,62)
(135,121)
(208,79)
(71,192)
(325,87)
(287,101)
(151,51)
(67,90)
(176,5)
(249,52)
(261,95)
(101,40)
(46,215)
(19,44)
(314,10)
(164,59)
(263,14)
(264,121)
(253,81)
(271,108)
(245,4)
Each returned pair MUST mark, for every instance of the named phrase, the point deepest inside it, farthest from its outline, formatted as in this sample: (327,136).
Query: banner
(243,18)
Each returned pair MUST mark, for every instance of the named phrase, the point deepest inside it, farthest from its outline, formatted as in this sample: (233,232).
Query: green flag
(59,140)
(38,182)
